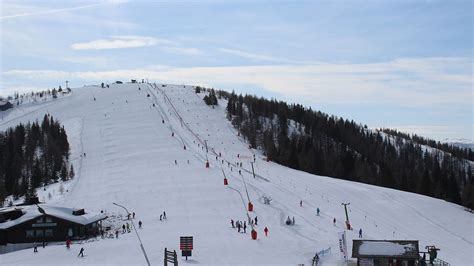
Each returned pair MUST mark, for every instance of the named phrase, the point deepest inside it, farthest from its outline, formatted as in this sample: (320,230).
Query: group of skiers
(290,221)
(242,226)
(239,225)
(132,215)
(68,246)
(163,216)
(126,228)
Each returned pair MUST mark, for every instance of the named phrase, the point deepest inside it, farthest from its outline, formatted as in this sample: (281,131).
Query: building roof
(4,102)
(31,212)
(407,249)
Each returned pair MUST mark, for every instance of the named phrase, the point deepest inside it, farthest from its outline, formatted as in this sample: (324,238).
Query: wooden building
(386,252)
(5,105)
(45,223)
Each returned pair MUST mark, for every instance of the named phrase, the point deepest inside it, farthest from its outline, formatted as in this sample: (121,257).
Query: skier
(232,223)
(288,220)
(128,227)
(116,233)
(334,221)
(68,243)
(266,231)
(238,226)
(123,228)
(240,172)
(256,220)
(102,233)
(133,215)
(360,233)
(175,162)
(164,215)
(423,260)
(81,253)
(317,211)
(161,216)
(35,249)
(293,221)
(301,203)
(245,227)
(139,224)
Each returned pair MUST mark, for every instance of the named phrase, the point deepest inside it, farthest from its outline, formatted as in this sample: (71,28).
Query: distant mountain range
(461,143)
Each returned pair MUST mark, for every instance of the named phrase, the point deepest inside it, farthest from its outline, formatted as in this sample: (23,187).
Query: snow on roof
(31,212)
(385,248)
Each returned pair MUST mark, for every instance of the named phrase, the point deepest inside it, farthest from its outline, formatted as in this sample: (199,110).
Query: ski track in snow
(131,160)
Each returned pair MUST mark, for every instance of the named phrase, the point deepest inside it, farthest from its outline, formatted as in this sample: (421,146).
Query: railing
(440,262)
(436,262)
(319,255)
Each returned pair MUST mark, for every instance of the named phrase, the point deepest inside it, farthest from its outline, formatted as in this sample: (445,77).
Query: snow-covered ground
(130,160)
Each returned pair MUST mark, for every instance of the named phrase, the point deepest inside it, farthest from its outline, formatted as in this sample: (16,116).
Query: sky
(402,64)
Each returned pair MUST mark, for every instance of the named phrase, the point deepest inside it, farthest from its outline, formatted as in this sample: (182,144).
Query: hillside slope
(130,159)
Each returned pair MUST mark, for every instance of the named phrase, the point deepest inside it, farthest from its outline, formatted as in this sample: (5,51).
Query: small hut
(47,223)
(4,104)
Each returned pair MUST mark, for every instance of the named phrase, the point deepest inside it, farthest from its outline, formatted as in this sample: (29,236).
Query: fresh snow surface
(131,161)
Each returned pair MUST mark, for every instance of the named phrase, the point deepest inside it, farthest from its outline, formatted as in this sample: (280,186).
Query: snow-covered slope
(130,160)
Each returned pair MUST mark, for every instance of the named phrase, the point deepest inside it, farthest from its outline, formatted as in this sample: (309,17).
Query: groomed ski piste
(127,135)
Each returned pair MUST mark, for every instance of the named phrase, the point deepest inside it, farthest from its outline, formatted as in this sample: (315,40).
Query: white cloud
(436,131)
(260,57)
(398,82)
(27,11)
(182,50)
(119,42)
(249,55)
(438,86)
